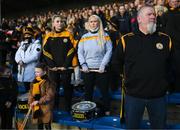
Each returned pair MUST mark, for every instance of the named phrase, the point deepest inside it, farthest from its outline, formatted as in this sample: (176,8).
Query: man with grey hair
(144,58)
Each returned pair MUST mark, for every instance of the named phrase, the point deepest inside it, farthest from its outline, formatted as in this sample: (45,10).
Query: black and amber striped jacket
(145,62)
(58,50)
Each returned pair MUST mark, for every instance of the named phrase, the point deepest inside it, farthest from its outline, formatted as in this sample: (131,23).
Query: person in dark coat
(8,96)
(171,20)
(143,58)
(3,47)
(122,21)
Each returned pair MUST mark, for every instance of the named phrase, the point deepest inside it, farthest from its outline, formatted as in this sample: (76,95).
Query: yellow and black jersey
(58,49)
(144,60)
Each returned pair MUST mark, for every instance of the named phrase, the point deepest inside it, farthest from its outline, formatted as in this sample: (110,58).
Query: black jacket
(58,49)
(8,91)
(144,60)
(122,22)
(171,24)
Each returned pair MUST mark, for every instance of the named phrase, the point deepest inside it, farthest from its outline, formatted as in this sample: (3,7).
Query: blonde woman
(58,53)
(94,53)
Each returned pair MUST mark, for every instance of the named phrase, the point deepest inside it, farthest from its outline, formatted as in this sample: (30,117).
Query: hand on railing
(93,70)
(60,68)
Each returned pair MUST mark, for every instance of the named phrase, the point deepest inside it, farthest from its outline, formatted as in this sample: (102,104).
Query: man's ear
(138,19)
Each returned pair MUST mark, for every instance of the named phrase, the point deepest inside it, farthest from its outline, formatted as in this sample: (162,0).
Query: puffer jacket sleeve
(18,54)
(33,54)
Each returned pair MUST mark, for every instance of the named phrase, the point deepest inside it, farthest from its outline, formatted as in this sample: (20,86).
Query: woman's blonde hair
(101,34)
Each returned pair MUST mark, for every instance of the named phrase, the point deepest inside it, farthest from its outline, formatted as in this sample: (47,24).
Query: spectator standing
(41,98)
(58,52)
(171,20)
(8,97)
(94,53)
(122,21)
(27,56)
(145,55)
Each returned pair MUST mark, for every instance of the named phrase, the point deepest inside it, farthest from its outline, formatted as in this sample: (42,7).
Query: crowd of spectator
(28,40)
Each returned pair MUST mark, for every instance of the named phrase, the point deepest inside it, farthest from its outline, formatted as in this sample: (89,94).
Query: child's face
(39,72)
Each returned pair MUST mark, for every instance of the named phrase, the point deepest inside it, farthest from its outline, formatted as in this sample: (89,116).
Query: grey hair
(142,9)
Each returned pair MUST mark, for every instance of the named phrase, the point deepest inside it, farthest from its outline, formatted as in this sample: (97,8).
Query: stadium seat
(174,98)
(111,122)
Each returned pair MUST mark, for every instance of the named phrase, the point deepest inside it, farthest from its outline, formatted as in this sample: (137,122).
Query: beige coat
(46,101)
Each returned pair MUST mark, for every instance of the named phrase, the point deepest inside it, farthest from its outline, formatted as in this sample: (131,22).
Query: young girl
(41,98)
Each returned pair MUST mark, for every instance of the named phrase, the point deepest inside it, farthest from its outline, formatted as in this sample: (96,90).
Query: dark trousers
(13,62)
(6,117)
(100,80)
(64,79)
(27,86)
(47,126)
(134,109)
(3,54)
(176,70)
(115,81)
